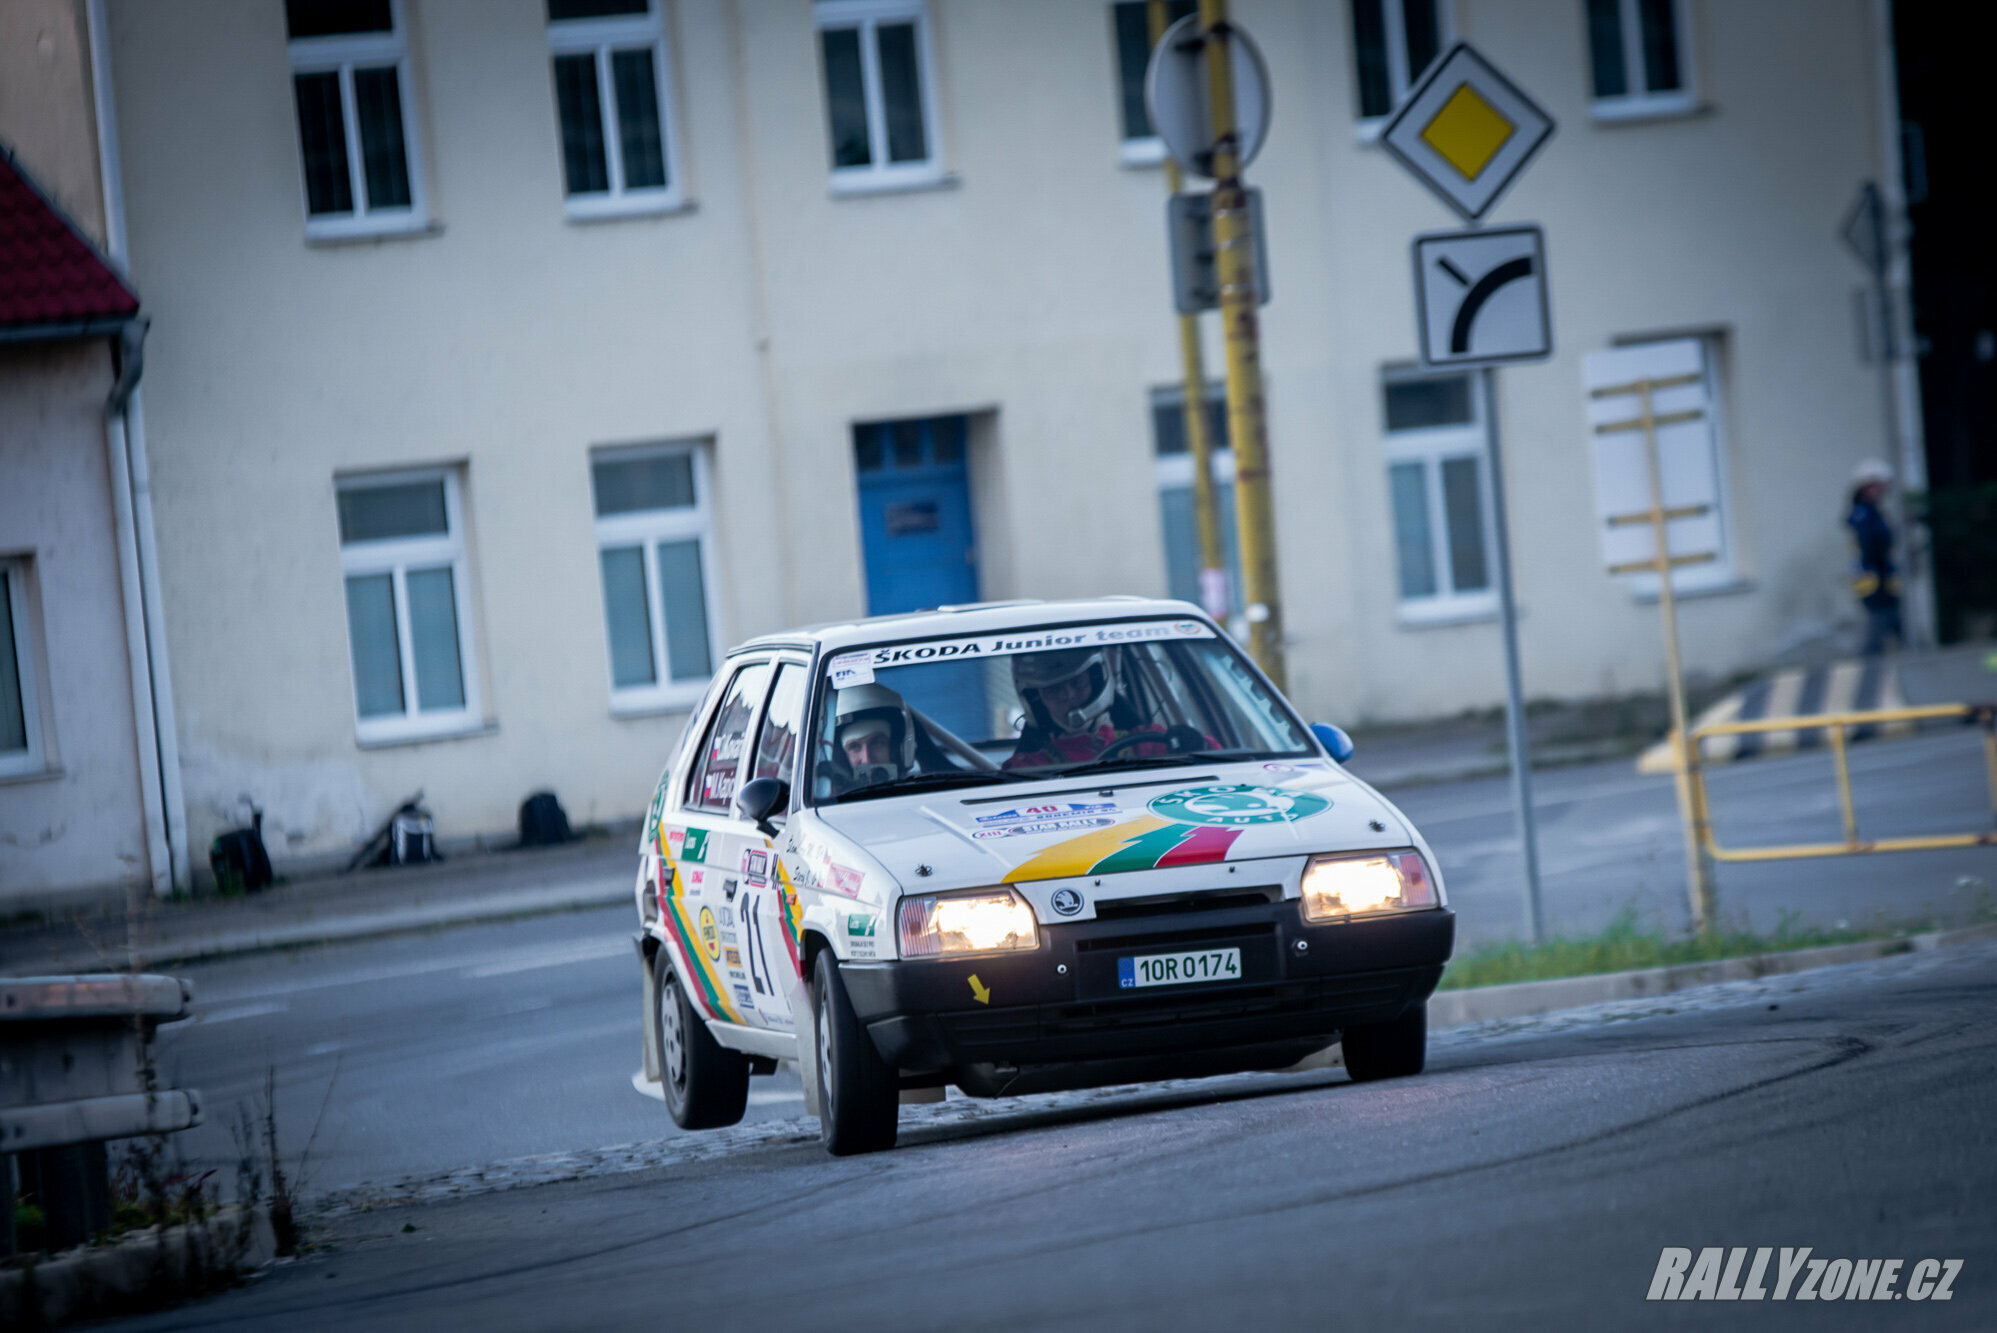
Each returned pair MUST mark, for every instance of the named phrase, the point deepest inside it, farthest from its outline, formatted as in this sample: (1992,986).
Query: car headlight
(986,922)
(1364,884)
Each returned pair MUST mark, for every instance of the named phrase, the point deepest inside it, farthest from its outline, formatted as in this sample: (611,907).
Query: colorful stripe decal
(1208,843)
(1143,851)
(712,991)
(1077,855)
(792,914)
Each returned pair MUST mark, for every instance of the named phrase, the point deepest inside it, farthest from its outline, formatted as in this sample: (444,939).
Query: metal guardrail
(73,1074)
(1835,725)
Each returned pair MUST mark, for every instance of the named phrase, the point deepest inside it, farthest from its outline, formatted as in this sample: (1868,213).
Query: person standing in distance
(1877,585)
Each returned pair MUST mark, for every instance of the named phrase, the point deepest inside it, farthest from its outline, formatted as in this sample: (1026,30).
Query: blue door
(915,514)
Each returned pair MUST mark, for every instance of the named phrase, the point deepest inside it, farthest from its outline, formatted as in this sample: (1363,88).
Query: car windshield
(1037,703)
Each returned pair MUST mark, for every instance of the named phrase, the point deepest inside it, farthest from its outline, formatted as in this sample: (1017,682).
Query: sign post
(1480,300)
(1213,126)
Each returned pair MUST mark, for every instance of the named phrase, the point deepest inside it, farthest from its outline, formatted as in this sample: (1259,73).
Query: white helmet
(865,711)
(1873,470)
(1033,673)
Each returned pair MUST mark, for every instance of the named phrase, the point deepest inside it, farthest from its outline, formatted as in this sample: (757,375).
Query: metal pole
(1515,733)
(1691,798)
(1247,424)
(1192,371)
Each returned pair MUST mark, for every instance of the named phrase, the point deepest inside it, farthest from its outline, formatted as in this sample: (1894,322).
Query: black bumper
(1063,1004)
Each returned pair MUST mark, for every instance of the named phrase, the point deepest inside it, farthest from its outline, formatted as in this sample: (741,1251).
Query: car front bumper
(1061,1004)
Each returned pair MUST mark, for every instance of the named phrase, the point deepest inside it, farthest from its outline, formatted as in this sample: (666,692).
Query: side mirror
(760,799)
(1332,738)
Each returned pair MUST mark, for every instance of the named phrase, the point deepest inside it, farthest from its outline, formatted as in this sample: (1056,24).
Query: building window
(402,550)
(356,129)
(20,700)
(1439,495)
(1393,44)
(653,534)
(1131,20)
(612,95)
(879,93)
(1639,55)
(1173,467)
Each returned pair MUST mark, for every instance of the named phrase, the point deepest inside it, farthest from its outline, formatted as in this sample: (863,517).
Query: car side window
(719,772)
(776,744)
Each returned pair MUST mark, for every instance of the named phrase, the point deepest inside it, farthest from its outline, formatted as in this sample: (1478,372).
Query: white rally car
(1015,848)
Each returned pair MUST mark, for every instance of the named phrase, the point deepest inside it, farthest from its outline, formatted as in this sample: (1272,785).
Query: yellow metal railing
(1835,725)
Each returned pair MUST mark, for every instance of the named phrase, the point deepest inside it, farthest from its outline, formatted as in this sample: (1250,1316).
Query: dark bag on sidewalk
(543,822)
(237,858)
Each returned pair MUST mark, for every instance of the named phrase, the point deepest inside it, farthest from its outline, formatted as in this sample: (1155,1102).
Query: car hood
(1116,822)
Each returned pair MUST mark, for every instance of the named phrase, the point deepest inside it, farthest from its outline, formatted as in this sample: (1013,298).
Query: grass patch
(1625,946)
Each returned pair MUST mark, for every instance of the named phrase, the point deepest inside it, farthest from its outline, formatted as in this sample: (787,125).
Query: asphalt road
(459,1048)
(1530,1178)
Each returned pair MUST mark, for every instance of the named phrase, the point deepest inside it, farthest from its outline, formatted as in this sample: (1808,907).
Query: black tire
(1388,1050)
(859,1094)
(706,1084)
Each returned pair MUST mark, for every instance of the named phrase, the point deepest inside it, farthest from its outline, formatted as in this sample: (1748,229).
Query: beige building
(89,789)
(511,357)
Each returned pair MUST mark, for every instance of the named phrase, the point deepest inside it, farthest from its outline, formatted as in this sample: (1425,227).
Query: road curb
(139,1271)
(1477,1004)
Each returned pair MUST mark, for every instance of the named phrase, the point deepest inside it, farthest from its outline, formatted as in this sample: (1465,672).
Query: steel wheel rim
(824,1055)
(672,1031)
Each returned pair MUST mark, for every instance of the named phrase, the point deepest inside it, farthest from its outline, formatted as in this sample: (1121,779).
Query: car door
(767,906)
(705,844)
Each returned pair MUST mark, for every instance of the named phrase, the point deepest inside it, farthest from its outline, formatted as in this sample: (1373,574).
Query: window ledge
(1139,153)
(1651,596)
(870,184)
(1643,110)
(656,706)
(1453,612)
(455,732)
(349,233)
(609,209)
(45,774)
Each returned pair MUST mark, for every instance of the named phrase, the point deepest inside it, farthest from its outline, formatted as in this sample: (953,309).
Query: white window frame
(33,760)
(601,37)
(1399,77)
(866,16)
(645,529)
(1643,105)
(340,54)
(1144,150)
(396,556)
(1432,447)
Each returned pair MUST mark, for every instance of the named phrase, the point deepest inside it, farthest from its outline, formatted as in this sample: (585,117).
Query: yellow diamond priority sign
(1466,132)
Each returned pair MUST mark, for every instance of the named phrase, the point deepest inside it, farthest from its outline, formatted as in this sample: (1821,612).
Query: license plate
(1179,969)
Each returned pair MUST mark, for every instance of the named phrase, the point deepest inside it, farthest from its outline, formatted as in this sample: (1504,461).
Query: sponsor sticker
(1237,805)
(756,866)
(743,997)
(859,923)
(1044,826)
(858,668)
(710,934)
(1058,810)
(696,844)
(734,957)
(1793,1274)
(851,669)
(845,879)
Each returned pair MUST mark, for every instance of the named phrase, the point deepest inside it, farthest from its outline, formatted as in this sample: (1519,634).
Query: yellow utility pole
(1247,424)
(1192,369)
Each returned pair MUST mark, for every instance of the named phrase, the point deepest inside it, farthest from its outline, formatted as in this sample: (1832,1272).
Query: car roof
(976,618)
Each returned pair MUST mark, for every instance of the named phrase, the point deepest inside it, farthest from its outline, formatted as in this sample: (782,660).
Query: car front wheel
(859,1094)
(706,1084)
(1388,1050)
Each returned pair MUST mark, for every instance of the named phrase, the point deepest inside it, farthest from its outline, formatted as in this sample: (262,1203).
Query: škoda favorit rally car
(1018,848)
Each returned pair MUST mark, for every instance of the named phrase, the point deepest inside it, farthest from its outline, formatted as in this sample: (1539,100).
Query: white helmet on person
(1033,674)
(863,712)
(1871,471)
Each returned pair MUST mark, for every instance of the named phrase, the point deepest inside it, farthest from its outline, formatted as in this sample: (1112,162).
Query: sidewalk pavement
(492,886)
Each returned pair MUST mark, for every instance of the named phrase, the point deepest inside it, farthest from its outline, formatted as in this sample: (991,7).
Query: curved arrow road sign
(1480,296)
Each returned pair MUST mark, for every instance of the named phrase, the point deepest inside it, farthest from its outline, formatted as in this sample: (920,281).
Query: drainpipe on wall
(165,733)
(130,349)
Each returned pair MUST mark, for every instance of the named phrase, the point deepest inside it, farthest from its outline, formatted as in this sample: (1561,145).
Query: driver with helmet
(875,735)
(1073,708)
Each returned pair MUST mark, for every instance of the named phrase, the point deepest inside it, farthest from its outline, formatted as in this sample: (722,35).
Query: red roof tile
(50,274)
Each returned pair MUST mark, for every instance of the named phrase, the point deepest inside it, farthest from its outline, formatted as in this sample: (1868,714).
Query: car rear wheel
(859,1094)
(1388,1050)
(706,1084)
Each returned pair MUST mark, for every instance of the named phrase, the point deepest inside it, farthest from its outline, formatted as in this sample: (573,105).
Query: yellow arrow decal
(979,991)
